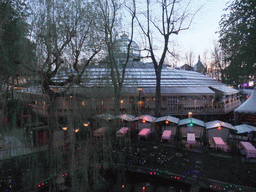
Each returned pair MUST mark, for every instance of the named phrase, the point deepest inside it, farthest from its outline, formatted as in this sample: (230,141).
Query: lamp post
(189,114)
(65,129)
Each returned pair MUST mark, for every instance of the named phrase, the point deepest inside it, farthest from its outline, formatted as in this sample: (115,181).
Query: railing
(198,110)
(221,108)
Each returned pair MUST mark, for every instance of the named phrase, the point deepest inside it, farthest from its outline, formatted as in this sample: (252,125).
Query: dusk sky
(201,34)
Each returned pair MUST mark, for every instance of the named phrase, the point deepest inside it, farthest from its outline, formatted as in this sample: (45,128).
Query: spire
(198,58)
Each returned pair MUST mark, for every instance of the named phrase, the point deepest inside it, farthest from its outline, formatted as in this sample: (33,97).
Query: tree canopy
(238,40)
(11,35)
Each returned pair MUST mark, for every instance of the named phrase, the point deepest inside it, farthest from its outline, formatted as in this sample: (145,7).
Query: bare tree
(117,59)
(205,57)
(190,57)
(172,20)
(63,29)
(218,62)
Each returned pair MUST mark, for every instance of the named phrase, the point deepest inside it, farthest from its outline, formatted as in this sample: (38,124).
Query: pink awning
(121,132)
(191,138)
(167,134)
(144,132)
(219,143)
(249,149)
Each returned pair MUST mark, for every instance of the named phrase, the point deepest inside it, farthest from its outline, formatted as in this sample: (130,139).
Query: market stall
(167,123)
(192,125)
(218,128)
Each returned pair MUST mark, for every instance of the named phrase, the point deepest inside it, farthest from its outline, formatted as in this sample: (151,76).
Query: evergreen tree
(16,50)
(238,40)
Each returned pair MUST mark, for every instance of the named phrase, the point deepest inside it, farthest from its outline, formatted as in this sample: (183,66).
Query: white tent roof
(191,120)
(168,118)
(217,123)
(126,117)
(244,128)
(249,106)
(147,118)
(105,116)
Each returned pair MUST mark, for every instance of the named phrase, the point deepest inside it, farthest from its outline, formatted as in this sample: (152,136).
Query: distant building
(182,91)
(121,48)
(199,67)
(186,67)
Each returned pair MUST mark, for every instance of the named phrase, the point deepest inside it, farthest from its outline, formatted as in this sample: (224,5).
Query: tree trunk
(73,157)
(6,91)
(158,94)
(52,122)
(117,102)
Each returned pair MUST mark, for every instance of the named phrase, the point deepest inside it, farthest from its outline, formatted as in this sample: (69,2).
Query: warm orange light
(143,121)
(166,122)
(143,188)
(64,128)
(18,88)
(122,186)
(219,128)
(86,124)
(140,103)
(122,120)
(76,130)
